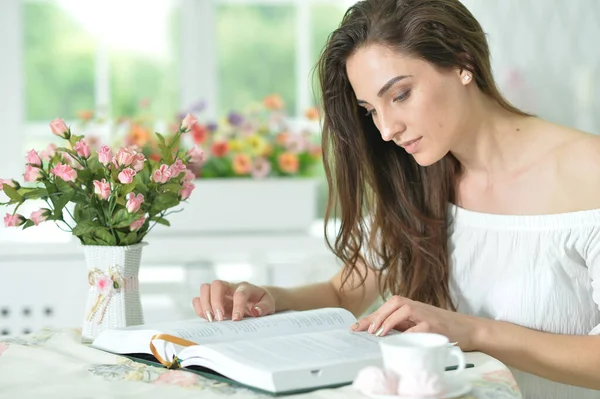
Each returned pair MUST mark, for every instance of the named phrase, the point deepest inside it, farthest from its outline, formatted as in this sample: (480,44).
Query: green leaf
(161,139)
(85,228)
(83,213)
(35,193)
(164,201)
(123,218)
(160,220)
(130,239)
(27,224)
(127,188)
(104,235)
(12,193)
(63,196)
(171,187)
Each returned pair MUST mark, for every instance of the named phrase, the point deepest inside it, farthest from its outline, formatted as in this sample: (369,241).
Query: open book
(283,353)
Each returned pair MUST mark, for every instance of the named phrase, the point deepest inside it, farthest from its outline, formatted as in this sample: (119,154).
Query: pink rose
(125,157)
(138,162)
(126,176)
(261,168)
(104,155)
(134,202)
(40,216)
(186,190)
(195,154)
(102,189)
(82,149)
(48,152)
(162,174)
(136,225)
(176,168)
(7,182)
(59,128)
(13,220)
(177,377)
(65,172)
(104,284)
(33,158)
(189,121)
(32,173)
(188,176)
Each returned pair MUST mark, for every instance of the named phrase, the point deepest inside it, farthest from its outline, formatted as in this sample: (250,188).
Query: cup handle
(460,357)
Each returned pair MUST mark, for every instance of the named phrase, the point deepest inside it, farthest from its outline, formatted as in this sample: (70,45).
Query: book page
(137,339)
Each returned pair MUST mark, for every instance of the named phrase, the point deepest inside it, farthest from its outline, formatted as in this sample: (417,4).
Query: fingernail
(237,316)
(379,332)
(258,310)
(355,326)
(371,327)
(219,314)
(209,316)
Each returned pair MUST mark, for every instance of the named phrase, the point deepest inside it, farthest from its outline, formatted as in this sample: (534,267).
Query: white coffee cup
(419,358)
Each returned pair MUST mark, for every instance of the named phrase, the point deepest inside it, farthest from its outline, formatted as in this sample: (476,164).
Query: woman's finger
(218,290)
(240,300)
(420,327)
(372,323)
(206,309)
(402,319)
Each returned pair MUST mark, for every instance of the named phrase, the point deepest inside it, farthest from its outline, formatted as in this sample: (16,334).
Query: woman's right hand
(222,300)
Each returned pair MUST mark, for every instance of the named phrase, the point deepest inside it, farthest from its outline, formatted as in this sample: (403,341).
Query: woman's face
(420,107)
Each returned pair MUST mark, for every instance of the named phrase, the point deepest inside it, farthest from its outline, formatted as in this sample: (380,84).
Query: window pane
(143,63)
(255,55)
(59,63)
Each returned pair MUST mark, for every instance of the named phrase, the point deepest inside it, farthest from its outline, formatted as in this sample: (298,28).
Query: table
(52,363)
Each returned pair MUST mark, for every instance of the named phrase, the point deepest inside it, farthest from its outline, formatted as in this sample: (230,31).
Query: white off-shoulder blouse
(538,271)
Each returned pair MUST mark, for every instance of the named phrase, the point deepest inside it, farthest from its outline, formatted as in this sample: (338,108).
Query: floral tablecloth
(54,364)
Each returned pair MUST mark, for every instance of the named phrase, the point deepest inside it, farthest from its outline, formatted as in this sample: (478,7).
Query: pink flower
(32,173)
(104,155)
(71,161)
(7,182)
(261,168)
(186,190)
(3,347)
(102,189)
(40,216)
(104,284)
(134,202)
(126,176)
(49,152)
(162,174)
(177,377)
(137,224)
(188,176)
(176,168)
(59,128)
(13,220)
(189,121)
(82,149)
(65,172)
(374,381)
(33,158)
(125,157)
(138,162)
(296,143)
(195,154)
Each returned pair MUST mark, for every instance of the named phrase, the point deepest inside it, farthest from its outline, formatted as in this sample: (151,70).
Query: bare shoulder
(578,164)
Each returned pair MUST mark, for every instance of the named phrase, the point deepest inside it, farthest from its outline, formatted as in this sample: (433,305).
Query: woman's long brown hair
(388,205)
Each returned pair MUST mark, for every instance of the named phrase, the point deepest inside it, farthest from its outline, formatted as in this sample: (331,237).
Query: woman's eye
(371,112)
(402,96)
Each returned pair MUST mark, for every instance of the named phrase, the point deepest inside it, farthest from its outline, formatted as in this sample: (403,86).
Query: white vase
(113,299)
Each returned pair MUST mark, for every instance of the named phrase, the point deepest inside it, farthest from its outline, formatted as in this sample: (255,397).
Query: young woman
(483,222)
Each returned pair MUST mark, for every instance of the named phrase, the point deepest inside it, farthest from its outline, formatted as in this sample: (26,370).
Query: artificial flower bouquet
(257,143)
(101,197)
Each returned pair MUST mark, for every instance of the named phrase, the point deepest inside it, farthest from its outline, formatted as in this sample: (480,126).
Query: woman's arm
(568,359)
(329,294)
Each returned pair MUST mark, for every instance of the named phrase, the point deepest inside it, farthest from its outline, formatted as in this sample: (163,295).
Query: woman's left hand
(405,315)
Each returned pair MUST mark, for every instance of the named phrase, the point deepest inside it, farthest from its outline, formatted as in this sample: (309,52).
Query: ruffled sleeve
(592,260)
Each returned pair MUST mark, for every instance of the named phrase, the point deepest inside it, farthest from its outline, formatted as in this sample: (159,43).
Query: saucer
(454,387)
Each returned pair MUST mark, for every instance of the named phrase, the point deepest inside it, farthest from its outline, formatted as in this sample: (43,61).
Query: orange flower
(312,114)
(242,164)
(85,114)
(274,101)
(282,138)
(220,148)
(288,162)
(138,135)
(199,133)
